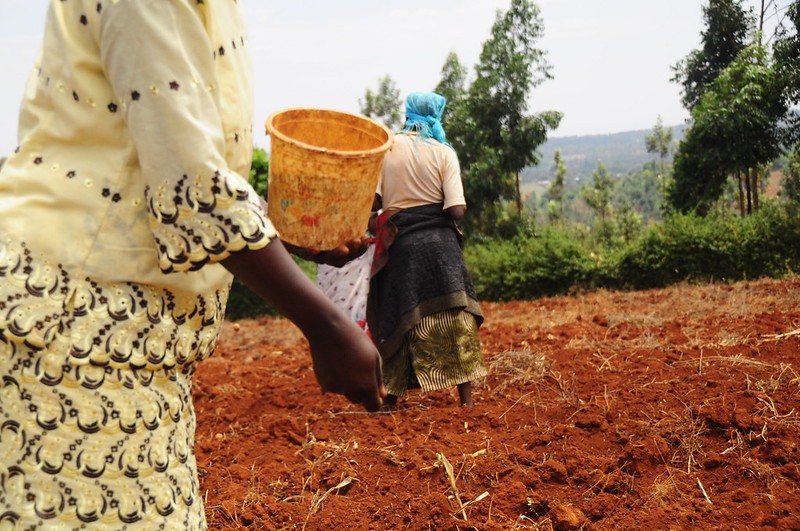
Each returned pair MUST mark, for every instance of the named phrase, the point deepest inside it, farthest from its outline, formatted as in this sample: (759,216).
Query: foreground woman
(122,215)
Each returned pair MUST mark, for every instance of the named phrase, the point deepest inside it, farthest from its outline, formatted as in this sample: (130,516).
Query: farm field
(670,409)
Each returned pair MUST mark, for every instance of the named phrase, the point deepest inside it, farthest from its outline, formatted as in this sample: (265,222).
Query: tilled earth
(666,409)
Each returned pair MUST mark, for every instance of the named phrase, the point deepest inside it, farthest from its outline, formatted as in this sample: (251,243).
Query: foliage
(555,208)
(384,105)
(787,62)
(510,223)
(598,194)
(635,200)
(719,247)
(628,222)
(698,172)
(598,197)
(684,247)
(736,127)
(550,263)
(259,172)
(791,178)
(452,87)
(643,191)
(659,142)
(724,37)
(491,133)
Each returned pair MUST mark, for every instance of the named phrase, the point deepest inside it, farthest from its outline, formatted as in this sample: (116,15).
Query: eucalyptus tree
(453,87)
(743,101)
(737,126)
(598,194)
(787,62)
(385,104)
(790,185)
(727,30)
(555,208)
(659,142)
(598,197)
(496,137)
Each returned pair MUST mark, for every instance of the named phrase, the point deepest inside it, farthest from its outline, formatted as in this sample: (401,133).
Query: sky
(611,59)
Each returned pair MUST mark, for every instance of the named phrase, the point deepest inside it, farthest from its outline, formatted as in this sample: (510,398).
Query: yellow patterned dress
(126,189)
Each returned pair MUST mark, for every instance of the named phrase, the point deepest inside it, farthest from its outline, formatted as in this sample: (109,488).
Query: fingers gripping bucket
(323,172)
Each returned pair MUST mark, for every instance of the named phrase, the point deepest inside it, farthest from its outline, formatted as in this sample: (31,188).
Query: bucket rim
(272,131)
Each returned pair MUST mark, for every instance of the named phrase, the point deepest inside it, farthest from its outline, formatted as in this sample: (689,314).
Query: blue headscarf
(424,115)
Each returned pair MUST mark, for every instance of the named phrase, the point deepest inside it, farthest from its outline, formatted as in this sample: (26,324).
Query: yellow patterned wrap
(128,186)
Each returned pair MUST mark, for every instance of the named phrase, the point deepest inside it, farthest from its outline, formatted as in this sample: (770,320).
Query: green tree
(736,129)
(598,194)
(494,137)
(787,63)
(385,104)
(659,142)
(790,184)
(555,210)
(598,197)
(643,191)
(629,222)
(727,26)
(453,87)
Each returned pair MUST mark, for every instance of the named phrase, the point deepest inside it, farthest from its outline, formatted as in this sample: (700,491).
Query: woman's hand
(344,358)
(347,363)
(335,257)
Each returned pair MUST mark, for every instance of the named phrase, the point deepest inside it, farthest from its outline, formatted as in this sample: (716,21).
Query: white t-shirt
(418,171)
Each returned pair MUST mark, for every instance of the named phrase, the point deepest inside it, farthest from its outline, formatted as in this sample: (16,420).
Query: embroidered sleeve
(159,59)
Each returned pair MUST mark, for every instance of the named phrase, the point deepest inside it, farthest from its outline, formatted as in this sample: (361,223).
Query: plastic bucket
(323,172)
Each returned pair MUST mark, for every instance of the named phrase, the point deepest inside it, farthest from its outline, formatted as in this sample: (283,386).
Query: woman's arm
(457,212)
(344,358)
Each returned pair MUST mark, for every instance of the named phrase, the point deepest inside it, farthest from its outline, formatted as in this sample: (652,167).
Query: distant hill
(620,153)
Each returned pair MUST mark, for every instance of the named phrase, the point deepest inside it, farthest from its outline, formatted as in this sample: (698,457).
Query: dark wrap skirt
(418,270)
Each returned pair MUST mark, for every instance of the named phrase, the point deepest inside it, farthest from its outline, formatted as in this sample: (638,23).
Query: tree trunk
(741,194)
(754,186)
(519,197)
(746,177)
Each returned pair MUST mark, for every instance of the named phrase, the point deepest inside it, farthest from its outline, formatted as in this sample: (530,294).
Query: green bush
(683,247)
(720,247)
(771,242)
(522,268)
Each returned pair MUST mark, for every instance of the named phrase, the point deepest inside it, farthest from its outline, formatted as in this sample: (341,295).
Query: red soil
(664,409)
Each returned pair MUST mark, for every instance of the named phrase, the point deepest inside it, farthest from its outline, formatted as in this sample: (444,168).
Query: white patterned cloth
(348,286)
(126,189)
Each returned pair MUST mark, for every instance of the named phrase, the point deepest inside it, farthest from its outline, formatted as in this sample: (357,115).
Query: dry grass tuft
(668,488)
(516,368)
(761,472)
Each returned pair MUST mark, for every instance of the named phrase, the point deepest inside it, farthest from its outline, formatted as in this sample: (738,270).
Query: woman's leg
(465,393)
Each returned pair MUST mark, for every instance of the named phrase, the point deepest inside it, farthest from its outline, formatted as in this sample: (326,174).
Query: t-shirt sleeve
(452,186)
(158,58)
